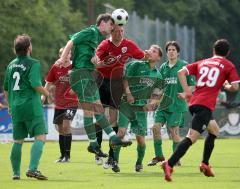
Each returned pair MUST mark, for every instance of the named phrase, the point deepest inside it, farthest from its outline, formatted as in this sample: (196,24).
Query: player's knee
(213,128)
(156,129)
(41,137)
(19,141)
(140,140)
(121,133)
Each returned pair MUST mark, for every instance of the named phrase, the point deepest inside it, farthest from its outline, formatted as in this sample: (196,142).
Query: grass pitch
(82,172)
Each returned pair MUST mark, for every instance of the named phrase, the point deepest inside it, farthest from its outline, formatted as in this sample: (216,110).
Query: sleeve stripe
(185,68)
(238,81)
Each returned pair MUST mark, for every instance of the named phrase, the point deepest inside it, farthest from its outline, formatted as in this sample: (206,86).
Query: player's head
(117,33)
(221,47)
(172,49)
(155,52)
(105,23)
(22,45)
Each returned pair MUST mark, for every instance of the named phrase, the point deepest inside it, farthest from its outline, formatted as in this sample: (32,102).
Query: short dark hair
(172,43)
(221,47)
(103,17)
(158,48)
(21,44)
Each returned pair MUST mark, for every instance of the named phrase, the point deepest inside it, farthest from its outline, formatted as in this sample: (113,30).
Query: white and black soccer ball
(120,17)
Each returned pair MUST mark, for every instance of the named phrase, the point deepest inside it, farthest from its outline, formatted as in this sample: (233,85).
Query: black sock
(110,153)
(179,151)
(68,143)
(208,147)
(62,145)
(98,134)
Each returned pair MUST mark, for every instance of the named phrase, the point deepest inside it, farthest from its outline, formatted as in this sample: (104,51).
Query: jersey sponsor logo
(124,49)
(109,60)
(64,78)
(147,81)
(171,80)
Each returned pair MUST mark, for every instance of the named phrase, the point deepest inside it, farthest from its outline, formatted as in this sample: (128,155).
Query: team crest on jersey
(124,49)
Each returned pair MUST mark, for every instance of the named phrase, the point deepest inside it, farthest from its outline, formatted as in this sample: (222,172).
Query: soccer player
(83,81)
(140,80)
(173,116)
(22,88)
(211,74)
(65,105)
(113,54)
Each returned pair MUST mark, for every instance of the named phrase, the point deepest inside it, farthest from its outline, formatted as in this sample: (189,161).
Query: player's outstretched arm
(42,91)
(183,80)
(127,91)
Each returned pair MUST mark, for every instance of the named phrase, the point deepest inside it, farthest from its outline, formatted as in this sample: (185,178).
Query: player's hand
(185,96)
(9,111)
(152,105)
(43,99)
(59,62)
(95,60)
(147,54)
(130,98)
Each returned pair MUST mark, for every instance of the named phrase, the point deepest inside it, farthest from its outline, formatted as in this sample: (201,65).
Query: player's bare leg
(213,132)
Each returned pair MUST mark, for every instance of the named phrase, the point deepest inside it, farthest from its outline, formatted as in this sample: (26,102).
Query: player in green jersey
(83,80)
(22,88)
(173,116)
(140,80)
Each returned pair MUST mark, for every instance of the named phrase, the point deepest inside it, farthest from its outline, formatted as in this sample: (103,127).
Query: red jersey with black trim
(210,75)
(114,57)
(59,76)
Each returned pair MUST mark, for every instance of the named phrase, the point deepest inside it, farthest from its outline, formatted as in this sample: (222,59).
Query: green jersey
(142,80)
(173,85)
(22,76)
(85,42)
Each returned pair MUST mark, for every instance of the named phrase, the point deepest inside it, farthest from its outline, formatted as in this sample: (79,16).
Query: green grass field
(82,172)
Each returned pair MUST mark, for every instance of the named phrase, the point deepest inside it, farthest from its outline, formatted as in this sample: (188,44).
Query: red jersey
(210,75)
(60,78)
(114,57)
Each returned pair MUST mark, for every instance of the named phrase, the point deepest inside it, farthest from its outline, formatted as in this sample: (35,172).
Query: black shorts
(111,91)
(64,114)
(201,117)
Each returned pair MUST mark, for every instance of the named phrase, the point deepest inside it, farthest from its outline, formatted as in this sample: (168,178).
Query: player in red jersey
(211,74)
(113,53)
(65,105)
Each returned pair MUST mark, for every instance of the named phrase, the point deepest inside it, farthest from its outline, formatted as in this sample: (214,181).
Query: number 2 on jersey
(16,76)
(211,74)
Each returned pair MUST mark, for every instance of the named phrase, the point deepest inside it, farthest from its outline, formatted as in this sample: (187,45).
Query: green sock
(158,148)
(104,124)
(90,128)
(174,145)
(15,158)
(36,152)
(116,152)
(141,153)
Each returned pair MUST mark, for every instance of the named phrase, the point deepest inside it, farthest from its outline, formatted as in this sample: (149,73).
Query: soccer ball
(120,17)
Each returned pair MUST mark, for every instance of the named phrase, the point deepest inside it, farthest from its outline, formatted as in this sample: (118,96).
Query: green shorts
(171,119)
(33,128)
(139,128)
(83,83)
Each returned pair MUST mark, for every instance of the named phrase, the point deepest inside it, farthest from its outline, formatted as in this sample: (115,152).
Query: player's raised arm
(65,53)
